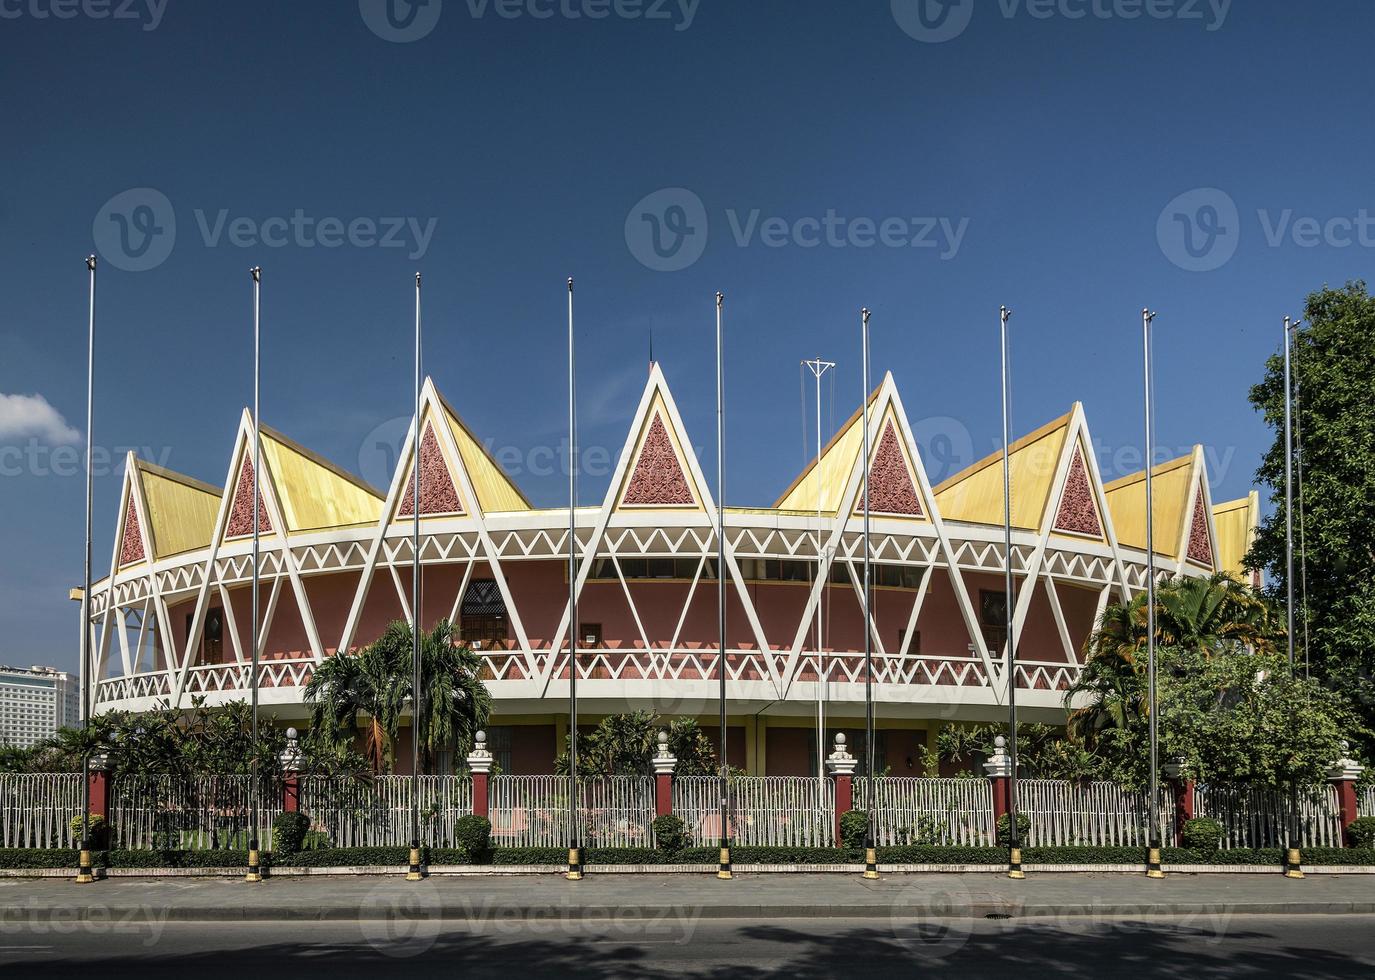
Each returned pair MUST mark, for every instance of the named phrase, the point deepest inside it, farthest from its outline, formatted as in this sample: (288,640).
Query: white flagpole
(818,367)
(1292,857)
(85,873)
(870,851)
(1153,868)
(724,868)
(1009,602)
(254,870)
(413,872)
(574,845)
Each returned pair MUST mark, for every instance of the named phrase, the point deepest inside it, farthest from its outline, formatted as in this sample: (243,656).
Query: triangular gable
(1200,547)
(1171,486)
(659,475)
(1078,511)
(821,487)
(240,523)
(975,495)
(181,511)
(892,485)
(438,494)
(313,492)
(131,546)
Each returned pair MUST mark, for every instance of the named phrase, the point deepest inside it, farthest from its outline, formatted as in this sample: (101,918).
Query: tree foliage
(625,745)
(1333,363)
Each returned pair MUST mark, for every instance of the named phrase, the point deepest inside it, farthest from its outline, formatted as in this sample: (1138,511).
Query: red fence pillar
(841,765)
(664,765)
(999,770)
(1344,776)
(98,778)
(1182,792)
(291,773)
(480,765)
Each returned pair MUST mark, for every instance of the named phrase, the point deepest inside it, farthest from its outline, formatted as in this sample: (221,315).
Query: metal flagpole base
(1153,868)
(1292,863)
(870,862)
(574,872)
(723,869)
(85,874)
(255,871)
(1014,864)
(413,873)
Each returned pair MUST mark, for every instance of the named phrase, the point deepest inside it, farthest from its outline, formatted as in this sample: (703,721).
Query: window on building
(993,618)
(590,635)
(499,744)
(482,614)
(211,647)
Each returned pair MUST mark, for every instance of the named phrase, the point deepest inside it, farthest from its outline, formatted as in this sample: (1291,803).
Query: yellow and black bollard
(85,873)
(871,862)
(1153,868)
(413,872)
(1014,864)
(1293,865)
(255,871)
(574,864)
(723,869)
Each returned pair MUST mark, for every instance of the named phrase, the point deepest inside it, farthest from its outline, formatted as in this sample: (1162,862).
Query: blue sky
(806,157)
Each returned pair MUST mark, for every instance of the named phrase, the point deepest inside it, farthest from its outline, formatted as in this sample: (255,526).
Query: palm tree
(376,684)
(1206,614)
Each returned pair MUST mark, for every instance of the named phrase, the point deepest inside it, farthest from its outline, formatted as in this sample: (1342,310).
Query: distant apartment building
(35,702)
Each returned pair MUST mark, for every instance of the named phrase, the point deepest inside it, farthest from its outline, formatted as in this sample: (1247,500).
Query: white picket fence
(1103,814)
(532,811)
(36,809)
(1259,817)
(163,812)
(915,810)
(379,812)
(763,811)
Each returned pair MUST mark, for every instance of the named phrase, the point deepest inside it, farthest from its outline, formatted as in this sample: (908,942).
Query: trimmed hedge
(397,857)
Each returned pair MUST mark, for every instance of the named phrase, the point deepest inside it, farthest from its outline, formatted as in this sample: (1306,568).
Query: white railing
(163,812)
(1259,816)
(36,809)
(529,811)
(1102,814)
(618,811)
(379,812)
(1365,803)
(766,811)
(929,811)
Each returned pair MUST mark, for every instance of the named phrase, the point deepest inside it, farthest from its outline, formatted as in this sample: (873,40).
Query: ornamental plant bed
(396,857)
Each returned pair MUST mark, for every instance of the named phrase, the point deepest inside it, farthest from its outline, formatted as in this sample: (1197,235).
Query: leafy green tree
(1333,363)
(625,745)
(368,692)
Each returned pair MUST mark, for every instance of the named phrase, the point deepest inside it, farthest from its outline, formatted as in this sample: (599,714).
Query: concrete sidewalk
(473,899)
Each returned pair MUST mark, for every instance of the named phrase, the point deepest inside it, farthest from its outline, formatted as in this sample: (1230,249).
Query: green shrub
(316,840)
(670,833)
(854,827)
(1362,832)
(288,833)
(1202,834)
(1005,831)
(473,837)
(96,827)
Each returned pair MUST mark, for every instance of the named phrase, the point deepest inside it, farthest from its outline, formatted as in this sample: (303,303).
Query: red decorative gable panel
(1200,545)
(241,515)
(658,478)
(1078,513)
(131,543)
(437,493)
(891,490)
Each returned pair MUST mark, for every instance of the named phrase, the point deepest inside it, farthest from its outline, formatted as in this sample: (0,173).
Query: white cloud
(30,416)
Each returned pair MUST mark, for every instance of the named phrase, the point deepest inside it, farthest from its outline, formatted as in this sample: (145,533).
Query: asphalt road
(1188,946)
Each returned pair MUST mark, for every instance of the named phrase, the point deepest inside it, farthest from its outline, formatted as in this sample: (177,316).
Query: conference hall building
(171,623)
